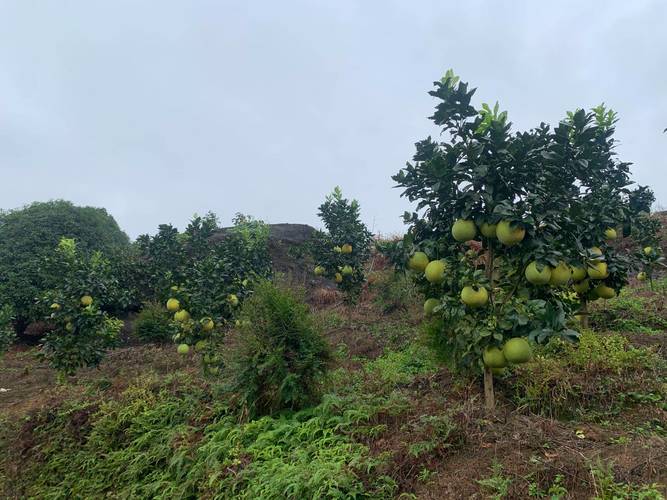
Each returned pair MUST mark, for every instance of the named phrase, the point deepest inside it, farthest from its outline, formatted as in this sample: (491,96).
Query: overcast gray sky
(159,109)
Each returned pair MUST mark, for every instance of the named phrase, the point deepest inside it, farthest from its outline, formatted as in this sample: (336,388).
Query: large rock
(286,248)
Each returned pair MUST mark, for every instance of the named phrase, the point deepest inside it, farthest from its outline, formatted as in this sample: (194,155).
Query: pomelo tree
(645,235)
(507,223)
(80,331)
(341,252)
(215,278)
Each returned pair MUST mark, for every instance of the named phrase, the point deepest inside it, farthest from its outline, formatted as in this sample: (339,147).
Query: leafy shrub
(165,258)
(80,332)
(209,270)
(153,323)
(279,359)
(29,234)
(228,267)
(81,272)
(7,334)
(68,348)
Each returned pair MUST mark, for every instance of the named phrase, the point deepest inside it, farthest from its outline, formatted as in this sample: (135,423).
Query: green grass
(636,310)
(591,379)
(607,488)
(400,367)
(329,320)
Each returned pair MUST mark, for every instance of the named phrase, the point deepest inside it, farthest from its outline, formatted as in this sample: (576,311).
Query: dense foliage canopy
(545,199)
(29,234)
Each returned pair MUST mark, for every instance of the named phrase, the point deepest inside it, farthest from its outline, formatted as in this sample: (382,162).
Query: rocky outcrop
(285,246)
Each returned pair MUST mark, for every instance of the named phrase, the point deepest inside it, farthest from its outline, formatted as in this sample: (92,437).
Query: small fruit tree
(80,331)
(341,252)
(215,278)
(645,234)
(506,223)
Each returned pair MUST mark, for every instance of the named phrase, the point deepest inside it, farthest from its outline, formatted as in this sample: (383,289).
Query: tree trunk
(489,272)
(489,396)
(584,313)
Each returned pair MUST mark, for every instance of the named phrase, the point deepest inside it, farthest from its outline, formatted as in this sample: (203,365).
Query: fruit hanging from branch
(560,275)
(610,233)
(418,262)
(517,350)
(538,274)
(435,271)
(173,305)
(510,233)
(474,296)
(430,305)
(464,230)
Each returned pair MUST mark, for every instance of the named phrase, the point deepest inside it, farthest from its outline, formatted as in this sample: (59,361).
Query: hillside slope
(578,422)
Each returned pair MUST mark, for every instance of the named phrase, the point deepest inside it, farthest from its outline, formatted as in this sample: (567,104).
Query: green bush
(7,334)
(201,272)
(228,267)
(29,234)
(166,258)
(279,359)
(153,324)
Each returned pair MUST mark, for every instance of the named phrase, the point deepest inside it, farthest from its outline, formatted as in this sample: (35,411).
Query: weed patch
(635,310)
(178,437)
(598,376)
